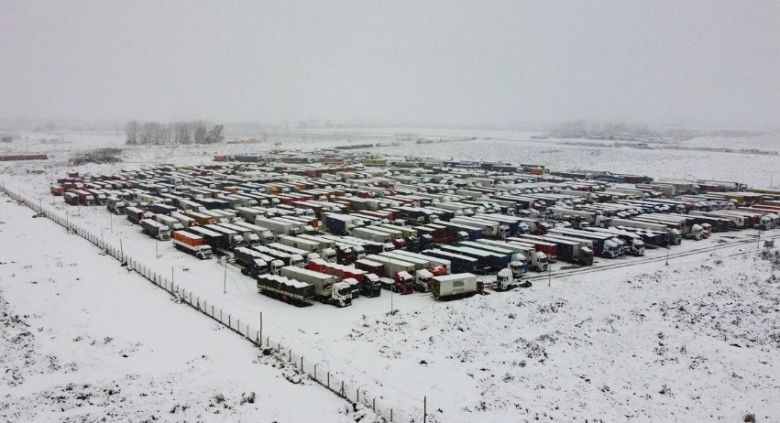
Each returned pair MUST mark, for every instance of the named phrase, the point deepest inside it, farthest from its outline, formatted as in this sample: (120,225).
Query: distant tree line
(193,132)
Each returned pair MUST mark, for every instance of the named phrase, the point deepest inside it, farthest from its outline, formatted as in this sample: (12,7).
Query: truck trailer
(156,229)
(453,286)
(192,244)
(327,288)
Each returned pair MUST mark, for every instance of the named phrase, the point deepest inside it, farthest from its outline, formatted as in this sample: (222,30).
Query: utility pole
(667,255)
(549,275)
(224,278)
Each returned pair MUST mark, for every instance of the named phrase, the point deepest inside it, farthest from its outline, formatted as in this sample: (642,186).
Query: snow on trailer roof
(221,229)
(385,259)
(454,276)
(437,260)
(203,231)
(452,255)
(188,235)
(368,262)
(287,281)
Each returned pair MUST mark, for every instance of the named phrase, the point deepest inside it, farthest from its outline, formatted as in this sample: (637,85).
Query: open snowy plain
(695,340)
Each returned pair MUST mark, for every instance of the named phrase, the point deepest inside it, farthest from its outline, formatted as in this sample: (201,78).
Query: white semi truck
(327,288)
(456,285)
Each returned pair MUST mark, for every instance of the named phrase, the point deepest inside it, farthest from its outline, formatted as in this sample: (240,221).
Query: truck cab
(255,267)
(371,287)
(517,268)
(540,261)
(422,278)
(612,249)
(341,294)
(697,232)
(505,279)
(354,287)
(402,282)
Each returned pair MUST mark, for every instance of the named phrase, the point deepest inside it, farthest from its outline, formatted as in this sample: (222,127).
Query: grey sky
(448,62)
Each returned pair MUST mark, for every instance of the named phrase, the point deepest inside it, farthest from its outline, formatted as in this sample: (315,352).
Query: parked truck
(192,244)
(201,218)
(287,258)
(460,263)
(232,239)
(285,289)
(327,288)
(116,205)
(487,260)
(421,275)
(568,249)
(604,244)
(155,229)
(435,264)
(254,263)
(453,286)
(134,214)
(185,221)
(636,246)
(262,235)
(491,228)
(518,262)
(536,260)
(326,248)
(668,236)
(341,224)
(367,283)
(400,272)
(216,240)
(168,221)
(278,227)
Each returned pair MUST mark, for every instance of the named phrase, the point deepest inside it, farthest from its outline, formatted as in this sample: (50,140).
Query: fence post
(315,371)
(425,409)
(391,415)
(302,364)
(329,379)
(373,404)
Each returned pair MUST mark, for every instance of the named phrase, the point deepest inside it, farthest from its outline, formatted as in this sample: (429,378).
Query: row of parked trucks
(405,232)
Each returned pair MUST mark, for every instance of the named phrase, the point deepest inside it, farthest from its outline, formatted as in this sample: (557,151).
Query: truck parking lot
(412,210)
(269,215)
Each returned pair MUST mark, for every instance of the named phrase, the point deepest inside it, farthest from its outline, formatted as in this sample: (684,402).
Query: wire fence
(316,371)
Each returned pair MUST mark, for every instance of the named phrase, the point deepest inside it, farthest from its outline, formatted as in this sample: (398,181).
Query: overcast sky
(449,62)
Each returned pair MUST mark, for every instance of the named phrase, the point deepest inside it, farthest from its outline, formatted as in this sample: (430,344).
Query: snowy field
(698,340)
(83,339)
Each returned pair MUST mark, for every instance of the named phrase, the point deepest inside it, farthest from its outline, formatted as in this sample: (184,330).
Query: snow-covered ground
(82,339)
(643,342)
